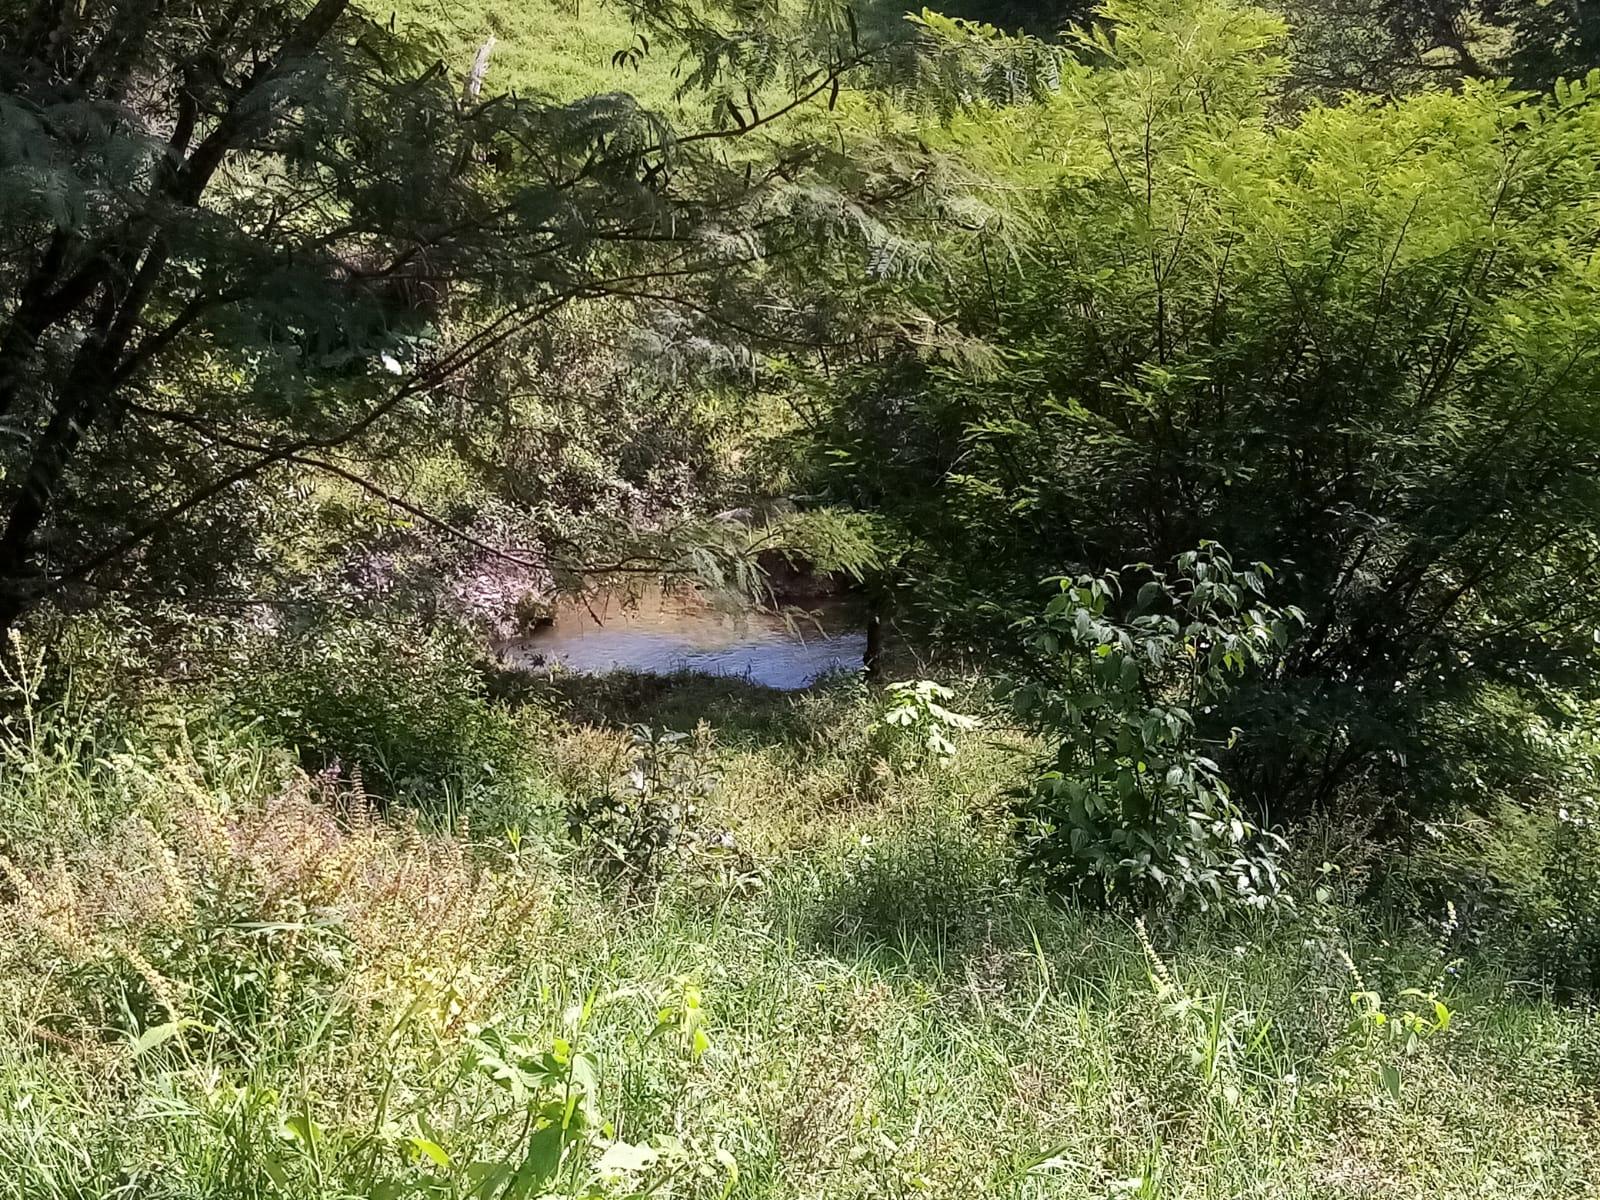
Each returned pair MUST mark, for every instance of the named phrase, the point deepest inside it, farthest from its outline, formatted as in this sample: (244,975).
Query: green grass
(566,52)
(221,979)
(543,48)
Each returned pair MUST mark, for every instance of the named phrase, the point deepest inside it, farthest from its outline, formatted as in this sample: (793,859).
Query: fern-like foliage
(238,248)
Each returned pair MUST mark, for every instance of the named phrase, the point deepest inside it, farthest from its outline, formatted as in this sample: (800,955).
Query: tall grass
(221,977)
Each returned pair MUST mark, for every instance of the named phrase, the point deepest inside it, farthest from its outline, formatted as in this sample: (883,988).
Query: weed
(222,976)
(653,819)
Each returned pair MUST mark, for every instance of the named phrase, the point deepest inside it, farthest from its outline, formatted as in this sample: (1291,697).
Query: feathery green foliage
(1359,346)
(240,251)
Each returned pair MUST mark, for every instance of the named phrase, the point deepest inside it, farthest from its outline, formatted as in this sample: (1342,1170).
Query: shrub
(1133,808)
(404,708)
(1564,942)
(1530,878)
(637,830)
(917,726)
(1208,322)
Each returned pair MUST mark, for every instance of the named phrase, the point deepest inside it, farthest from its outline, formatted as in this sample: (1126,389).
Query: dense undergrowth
(226,975)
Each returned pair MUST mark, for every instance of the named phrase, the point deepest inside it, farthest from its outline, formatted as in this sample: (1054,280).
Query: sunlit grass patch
(224,977)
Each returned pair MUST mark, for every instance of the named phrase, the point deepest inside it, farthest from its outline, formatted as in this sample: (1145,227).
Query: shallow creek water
(661,633)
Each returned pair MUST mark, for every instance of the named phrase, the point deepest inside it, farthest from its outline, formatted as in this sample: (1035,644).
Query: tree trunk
(872,660)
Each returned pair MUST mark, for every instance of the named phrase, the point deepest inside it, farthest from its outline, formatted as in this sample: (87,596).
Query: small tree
(1133,809)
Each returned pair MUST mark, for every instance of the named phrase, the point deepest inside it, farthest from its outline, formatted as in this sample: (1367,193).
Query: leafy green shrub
(1212,322)
(913,730)
(917,725)
(638,829)
(1133,809)
(405,708)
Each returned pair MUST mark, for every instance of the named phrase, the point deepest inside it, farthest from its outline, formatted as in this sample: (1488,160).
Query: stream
(660,633)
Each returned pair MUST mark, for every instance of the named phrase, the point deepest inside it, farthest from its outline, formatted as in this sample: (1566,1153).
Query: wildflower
(1163,977)
(1355,971)
(162,988)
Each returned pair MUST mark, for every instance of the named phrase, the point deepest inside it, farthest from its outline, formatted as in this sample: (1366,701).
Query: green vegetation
(545,47)
(240,980)
(1357,347)
(1134,808)
(1196,400)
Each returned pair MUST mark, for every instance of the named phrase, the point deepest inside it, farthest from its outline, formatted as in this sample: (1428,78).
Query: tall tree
(1361,347)
(244,238)
(1391,47)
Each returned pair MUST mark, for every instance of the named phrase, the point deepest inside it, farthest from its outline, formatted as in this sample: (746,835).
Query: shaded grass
(742,713)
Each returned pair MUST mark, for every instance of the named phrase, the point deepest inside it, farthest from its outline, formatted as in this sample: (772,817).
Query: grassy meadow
(224,977)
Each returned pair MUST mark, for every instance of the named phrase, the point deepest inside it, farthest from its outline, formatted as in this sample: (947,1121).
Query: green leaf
(541,1162)
(302,1129)
(422,1147)
(156,1035)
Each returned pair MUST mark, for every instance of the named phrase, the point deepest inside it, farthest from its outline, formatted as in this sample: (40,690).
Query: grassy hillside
(560,50)
(224,978)
(566,52)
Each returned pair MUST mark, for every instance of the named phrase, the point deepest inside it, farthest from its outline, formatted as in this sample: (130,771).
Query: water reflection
(662,633)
